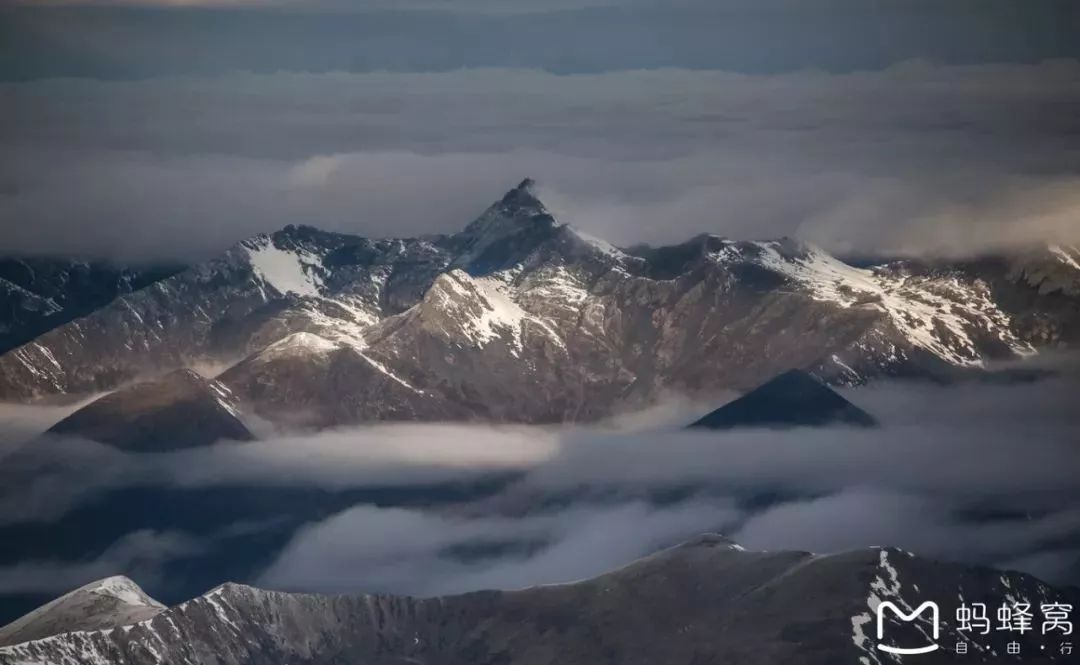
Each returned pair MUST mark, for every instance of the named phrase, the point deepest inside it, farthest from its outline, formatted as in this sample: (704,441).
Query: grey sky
(159,37)
(913,158)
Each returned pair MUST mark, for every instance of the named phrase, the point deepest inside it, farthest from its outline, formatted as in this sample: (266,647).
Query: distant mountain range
(38,294)
(521,317)
(705,601)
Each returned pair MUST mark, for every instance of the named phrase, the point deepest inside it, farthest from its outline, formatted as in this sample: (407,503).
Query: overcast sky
(154,129)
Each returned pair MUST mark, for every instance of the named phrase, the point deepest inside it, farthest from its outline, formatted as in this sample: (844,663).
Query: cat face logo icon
(900,614)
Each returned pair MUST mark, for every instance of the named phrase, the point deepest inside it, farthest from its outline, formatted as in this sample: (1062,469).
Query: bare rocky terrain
(705,601)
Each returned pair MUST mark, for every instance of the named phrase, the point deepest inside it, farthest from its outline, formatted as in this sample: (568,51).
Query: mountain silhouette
(792,399)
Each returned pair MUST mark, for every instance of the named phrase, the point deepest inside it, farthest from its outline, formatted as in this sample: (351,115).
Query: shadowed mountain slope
(178,410)
(792,399)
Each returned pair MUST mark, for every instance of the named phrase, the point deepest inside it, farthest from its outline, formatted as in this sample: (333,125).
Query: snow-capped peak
(516,223)
(519,206)
(113,601)
(301,343)
(123,589)
(524,196)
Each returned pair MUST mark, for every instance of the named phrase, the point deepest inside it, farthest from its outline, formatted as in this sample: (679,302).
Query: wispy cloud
(409,551)
(139,554)
(982,473)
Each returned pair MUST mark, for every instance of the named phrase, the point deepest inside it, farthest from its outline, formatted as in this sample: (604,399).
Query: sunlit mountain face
(521,334)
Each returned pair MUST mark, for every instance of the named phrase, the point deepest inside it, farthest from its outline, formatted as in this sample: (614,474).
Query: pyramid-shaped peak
(523,196)
(508,230)
(792,399)
(178,410)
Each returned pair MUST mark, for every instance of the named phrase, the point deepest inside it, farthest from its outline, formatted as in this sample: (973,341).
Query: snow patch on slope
(493,314)
(386,370)
(301,343)
(499,313)
(225,399)
(1063,255)
(599,244)
(347,327)
(558,286)
(284,271)
(123,589)
(886,586)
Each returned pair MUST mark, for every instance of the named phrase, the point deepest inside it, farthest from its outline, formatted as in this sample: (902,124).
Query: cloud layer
(980,473)
(146,38)
(914,158)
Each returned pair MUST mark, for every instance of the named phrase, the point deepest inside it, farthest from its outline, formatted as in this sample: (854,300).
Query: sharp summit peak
(524,195)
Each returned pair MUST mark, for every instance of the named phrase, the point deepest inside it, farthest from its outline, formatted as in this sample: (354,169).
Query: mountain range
(521,317)
(705,601)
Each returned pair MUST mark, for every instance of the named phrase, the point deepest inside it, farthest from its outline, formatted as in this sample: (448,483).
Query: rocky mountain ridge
(522,317)
(705,601)
(41,293)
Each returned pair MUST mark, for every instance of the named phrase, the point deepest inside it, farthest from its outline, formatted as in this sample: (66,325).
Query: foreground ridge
(707,600)
(102,605)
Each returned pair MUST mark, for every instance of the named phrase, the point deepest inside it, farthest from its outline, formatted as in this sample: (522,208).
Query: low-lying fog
(982,472)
